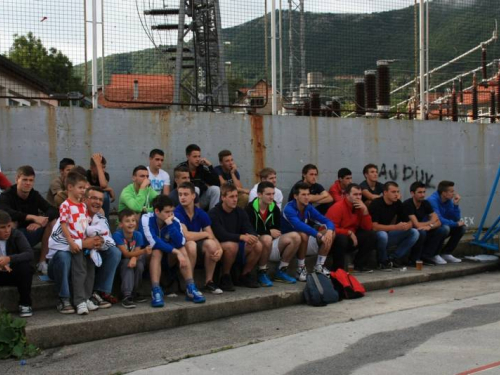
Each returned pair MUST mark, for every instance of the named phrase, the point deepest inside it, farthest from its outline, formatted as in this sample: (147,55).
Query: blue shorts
(240,256)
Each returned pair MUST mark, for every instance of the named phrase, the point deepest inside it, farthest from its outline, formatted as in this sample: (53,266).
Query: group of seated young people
(205,217)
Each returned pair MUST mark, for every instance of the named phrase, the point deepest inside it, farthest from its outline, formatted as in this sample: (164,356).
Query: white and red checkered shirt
(75,215)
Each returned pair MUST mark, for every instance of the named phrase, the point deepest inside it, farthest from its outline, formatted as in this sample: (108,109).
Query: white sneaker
(319,268)
(450,258)
(25,311)
(301,274)
(82,309)
(91,306)
(438,260)
(43,268)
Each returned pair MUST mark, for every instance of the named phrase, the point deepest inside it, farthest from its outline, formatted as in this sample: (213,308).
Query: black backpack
(319,290)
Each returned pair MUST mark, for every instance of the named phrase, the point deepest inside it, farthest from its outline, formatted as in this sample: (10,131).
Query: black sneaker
(128,303)
(428,262)
(139,299)
(363,270)
(386,267)
(249,281)
(226,284)
(396,264)
(213,288)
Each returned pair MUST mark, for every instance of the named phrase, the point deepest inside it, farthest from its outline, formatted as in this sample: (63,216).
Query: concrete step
(44,295)
(47,328)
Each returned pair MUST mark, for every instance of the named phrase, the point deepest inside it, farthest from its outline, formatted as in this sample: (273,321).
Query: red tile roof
(153,91)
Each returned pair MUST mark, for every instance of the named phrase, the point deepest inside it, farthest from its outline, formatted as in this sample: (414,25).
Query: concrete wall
(465,153)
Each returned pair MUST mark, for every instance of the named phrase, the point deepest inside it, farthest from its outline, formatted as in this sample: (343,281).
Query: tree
(51,66)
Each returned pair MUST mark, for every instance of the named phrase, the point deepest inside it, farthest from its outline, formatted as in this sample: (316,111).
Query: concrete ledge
(48,329)
(45,297)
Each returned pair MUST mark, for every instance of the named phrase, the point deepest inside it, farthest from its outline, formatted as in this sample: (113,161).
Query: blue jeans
(105,274)
(60,271)
(403,239)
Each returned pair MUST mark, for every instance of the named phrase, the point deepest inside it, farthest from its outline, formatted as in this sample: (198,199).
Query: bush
(13,338)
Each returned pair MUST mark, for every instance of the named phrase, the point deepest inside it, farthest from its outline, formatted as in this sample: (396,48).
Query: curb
(48,329)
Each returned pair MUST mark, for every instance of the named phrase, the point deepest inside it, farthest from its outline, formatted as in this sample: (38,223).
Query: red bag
(347,285)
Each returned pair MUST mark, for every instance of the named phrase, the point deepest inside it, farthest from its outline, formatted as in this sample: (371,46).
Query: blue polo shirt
(200,219)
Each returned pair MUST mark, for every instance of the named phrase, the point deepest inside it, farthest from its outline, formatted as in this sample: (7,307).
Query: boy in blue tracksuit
(301,216)
(163,231)
(445,201)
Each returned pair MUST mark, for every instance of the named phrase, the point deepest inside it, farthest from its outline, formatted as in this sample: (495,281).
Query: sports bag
(346,285)
(319,290)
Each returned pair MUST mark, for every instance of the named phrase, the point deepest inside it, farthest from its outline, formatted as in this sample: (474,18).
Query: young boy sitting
(134,251)
(74,222)
(16,255)
(163,233)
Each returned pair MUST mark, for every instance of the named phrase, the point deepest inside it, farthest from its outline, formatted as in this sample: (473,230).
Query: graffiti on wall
(406,173)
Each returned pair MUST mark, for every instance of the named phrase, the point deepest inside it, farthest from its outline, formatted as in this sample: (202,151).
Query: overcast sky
(59,23)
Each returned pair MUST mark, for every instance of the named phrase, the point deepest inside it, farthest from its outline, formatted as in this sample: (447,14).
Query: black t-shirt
(422,213)
(95,182)
(314,189)
(385,214)
(379,188)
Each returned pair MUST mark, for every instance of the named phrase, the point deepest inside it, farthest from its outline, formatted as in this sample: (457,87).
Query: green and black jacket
(272,220)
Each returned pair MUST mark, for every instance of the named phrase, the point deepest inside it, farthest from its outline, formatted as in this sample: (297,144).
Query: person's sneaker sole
(129,306)
(284,281)
(189,299)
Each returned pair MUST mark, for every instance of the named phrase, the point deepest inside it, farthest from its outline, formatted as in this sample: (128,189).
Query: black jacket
(229,226)
(273,220)
(205,177)
(19,208)
(18,248)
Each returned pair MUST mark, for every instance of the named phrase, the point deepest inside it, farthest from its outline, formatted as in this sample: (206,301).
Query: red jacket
(4,182)
(336,191)
(345,220)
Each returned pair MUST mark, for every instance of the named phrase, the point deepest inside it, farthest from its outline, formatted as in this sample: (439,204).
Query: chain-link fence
(333,58)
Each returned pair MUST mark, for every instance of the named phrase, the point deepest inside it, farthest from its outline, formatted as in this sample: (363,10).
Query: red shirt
(336,192)
(4,182)
(345,220)
(263,214)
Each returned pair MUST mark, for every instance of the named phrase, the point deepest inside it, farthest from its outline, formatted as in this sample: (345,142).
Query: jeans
(60,271)
(33,237)
(428,243)
(367,241)
(131,277)
(21,277)
(210,198)
(403,239)
(105,275)
(82,277)
(455,234)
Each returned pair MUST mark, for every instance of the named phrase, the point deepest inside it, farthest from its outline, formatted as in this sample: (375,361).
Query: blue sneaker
(283,277)
(157,297)
(193,294)
(264,280)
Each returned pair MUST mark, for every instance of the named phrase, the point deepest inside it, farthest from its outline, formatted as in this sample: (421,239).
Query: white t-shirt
(3,248)
(159,180)
(278,195)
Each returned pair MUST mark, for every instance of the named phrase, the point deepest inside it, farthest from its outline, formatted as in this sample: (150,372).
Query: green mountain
(343,45)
